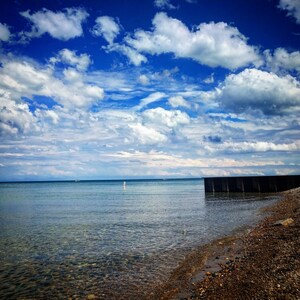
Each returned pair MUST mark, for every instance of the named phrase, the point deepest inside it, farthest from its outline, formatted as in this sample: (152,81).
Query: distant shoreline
(103,180)
(78,180)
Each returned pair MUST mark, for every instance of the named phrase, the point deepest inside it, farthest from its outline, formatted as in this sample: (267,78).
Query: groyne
(252,184)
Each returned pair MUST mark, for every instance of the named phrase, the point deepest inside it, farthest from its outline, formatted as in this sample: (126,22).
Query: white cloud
(24,79)
(164,4)
(80,62)
(143,79)
(106,27)
(72,75)
(4,33)
(134,56)
(14,117)
(292,7)
(48,115)
(109,29)
(212,44)
(114,81)
(286,171)
(146,135)
(209,79)
(265,146)
(169,118)
(154,97)
(255,89)
(119,139)
(156,159)
(62,25)
(282,61)
(168,73)
(178,101)
(253,147)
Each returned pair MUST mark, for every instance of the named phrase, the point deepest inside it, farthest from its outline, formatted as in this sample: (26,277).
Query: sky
(149,89)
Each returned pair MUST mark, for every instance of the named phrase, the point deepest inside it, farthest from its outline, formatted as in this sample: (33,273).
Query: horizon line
(98,180)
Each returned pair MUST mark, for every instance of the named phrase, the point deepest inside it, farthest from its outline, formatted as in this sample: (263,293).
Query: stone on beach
(285,222)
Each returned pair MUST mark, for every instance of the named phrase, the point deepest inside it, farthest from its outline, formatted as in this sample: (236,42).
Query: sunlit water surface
(73,239)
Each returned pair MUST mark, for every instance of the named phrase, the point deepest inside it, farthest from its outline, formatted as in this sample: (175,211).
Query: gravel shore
(261,263)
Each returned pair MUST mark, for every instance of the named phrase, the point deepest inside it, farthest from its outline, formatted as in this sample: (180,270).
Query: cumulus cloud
(109,29)
(292,7)
(178,101)
(143,79)
(211,44)
(96,139)
(24,79)
(50,115)
(62,25)
(259,90)
(164,4)
(169,118)
(147,135)
(14,117)
(72,75)
(80,62)
(134,56)
(282,61)
(263,146)
(4,33)
(106,27)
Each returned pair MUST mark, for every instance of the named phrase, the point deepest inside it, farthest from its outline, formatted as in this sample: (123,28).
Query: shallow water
(73,239)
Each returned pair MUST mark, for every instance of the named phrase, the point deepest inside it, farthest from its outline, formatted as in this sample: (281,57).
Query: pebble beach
(258,263)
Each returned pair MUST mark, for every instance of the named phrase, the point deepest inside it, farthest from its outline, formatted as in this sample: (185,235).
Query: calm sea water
(61,240)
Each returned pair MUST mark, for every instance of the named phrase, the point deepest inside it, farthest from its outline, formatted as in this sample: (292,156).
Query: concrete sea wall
(253,184)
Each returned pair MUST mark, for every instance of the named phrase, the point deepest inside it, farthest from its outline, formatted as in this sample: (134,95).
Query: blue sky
(149,89)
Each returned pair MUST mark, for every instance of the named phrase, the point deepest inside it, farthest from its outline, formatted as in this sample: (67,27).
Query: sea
(109,239)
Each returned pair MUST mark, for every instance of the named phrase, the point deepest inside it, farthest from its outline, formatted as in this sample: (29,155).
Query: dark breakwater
(253,184)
